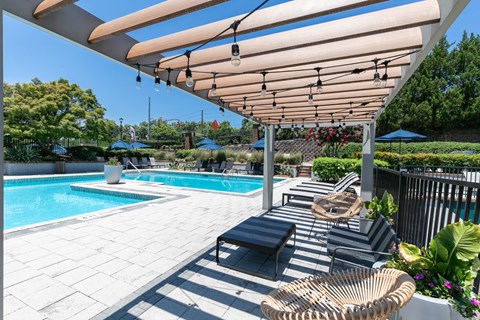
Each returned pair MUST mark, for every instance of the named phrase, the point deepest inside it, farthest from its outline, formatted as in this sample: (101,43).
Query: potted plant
(443,273)
(386,206)
(113,170)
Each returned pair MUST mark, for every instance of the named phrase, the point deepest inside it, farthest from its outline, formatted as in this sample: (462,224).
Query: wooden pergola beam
(274,16)
(298,72)
(380,44)
(337,113)
(48,6)
(148,16)
(341,104)
(398,18)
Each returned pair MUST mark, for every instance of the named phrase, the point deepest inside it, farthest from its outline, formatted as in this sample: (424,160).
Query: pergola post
(1,157)
(367,160)
(268,167)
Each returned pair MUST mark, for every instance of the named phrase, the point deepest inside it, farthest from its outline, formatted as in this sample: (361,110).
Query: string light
(251,112)
(316,113)
(310,97)
(274,103)
(235,59)
(332,121)
(319,81)
(244,108)
(222,111)
(156,85)
(303,124)
(279,126)
(376,76)
(350,113)
(169,83)
(283,113)
(188,73)
(138,80)
(263,93)
(214,86)
(293,128)
(385,75)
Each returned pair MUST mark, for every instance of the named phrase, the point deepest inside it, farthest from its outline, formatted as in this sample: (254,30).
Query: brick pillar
(187,141)
(255,133)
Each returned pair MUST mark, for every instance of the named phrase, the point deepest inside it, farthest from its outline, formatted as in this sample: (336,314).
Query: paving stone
(76,275)
(27,287)
(20,275)
(68,307)
(11,304)
(94,283)
(113,293)
(47,296)
(89,312)
(113,266)
(96,260)
(23,314)
(60,267)
(165,309)
(45,261)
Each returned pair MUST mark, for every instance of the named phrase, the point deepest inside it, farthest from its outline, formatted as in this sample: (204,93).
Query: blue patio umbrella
(400,135)
(259,144)
(205,141)
(211,146)
(58,149)
(138,145)
(119,144)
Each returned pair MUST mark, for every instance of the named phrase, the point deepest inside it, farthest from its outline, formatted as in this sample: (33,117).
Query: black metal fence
(428,203)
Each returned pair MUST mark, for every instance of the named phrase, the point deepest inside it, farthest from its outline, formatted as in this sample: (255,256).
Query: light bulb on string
(157,83)
(244,108)
(385,75)
(283,113)
(169,83)
(138,80)
(188,73)
(316,113)
(293,128)
(235,59)
(319,81)
(376,76)
(214,86)
(274,103)
(350,113)
(263,93)
(251,112)
(310,97)
(332,121)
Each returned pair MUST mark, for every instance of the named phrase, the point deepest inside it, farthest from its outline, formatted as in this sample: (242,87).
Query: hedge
(429,159)
(219,156)
(333,169)
(350,149)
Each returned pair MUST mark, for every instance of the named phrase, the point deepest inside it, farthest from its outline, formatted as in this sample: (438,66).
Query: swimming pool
(32,202)
(214,182)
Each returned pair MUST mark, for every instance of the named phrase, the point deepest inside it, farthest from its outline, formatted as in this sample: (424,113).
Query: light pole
(121,128)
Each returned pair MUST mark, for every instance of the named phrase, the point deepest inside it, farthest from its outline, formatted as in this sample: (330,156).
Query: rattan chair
(354,294)
(335,208)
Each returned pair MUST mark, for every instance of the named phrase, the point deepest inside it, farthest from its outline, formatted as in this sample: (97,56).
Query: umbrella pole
(400,145)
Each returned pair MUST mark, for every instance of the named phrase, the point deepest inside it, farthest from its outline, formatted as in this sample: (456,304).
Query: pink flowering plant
(447,268)
(331,139)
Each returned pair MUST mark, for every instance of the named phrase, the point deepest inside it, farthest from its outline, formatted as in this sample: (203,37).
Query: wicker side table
(353,294)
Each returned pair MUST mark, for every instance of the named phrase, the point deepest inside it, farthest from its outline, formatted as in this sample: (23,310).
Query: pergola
(340,72)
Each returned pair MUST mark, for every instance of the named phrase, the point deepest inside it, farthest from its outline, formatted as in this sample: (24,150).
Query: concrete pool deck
(153,260)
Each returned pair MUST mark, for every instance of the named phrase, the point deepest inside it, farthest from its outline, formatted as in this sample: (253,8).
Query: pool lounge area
(153,261)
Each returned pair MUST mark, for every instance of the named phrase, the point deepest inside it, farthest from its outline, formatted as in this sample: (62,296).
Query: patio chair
(247,169)
(336,208)
(196,166)
(100,159)
(125,162)
(221,167)
(353,294)
(146,163)
(136,164)
(153,162)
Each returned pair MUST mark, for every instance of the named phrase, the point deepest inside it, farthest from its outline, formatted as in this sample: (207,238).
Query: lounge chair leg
(276,266)
(217,250)
(313,224)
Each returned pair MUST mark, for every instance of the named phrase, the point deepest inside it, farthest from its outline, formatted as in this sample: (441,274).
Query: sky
(30,52)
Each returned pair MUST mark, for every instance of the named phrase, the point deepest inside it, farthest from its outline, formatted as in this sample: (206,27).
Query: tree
(331,139)
(50,111)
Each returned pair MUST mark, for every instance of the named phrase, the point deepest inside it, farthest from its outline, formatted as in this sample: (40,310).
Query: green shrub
(170,156)
(293,159)
(182,154)
(429,159)
(85,153)
(279,158)
(23,154)
(333,169)
(257,157)
(437,147)
(242,157)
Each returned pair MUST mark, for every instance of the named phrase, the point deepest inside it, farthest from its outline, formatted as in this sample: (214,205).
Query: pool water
(33,202)
(235,184)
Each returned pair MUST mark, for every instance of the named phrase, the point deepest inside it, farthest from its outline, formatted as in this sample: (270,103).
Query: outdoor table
(261,234)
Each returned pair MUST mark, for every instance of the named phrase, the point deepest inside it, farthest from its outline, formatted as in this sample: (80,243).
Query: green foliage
(443,94)
(23,154)
(386,206)
(85,153)
(332,139)
(257,157)
(333,169)
(242,157)
(182,154)
(450,160)
(447,268)
(283,170)
(50,111)
(412,147)
(113,162)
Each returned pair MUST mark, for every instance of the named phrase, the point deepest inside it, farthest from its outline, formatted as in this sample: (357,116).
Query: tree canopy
(54,110)
(443,94)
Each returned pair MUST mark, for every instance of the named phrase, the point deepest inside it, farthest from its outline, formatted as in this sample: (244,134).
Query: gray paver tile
(45,261)
(94,283)
(23,314)
(165,309)
(59,268)
(76,275)
(113,293)
(27,287)
(47,296)
(113,266)
(20,275)
(89,312)
(135,275)
(96,260)
(68,307)
(11,304)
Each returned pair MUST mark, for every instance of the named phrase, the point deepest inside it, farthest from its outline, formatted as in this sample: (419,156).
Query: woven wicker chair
(335,208)
(354,294)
